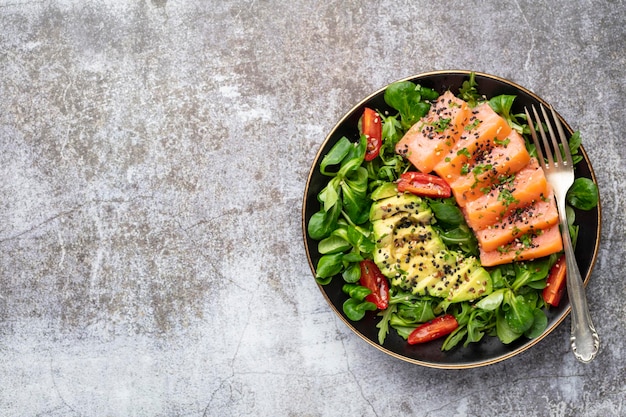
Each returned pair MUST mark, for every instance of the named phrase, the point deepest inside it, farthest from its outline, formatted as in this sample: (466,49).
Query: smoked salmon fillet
(546,242)
(483,130)
(538,216)
(501,161)
(428,140)
(524,188)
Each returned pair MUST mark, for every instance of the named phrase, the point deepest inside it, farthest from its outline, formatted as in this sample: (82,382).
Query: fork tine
(544,139)
(533,134)
(557,151)
(559,128)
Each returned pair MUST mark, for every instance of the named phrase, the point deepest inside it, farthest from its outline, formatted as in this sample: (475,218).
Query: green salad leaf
(410,100)
(336,154)
(469,91)
(503,105)
(583,194)
(518,312)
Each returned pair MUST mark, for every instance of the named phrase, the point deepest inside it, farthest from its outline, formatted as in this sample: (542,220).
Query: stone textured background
(153,157)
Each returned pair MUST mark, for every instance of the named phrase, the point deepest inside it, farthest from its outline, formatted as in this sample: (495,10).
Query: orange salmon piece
(483,130)
(528,185)
(507,158)
(430,139)
(538,216)
(544,243)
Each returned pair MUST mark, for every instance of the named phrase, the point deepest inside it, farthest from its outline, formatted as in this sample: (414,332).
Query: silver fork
(560,175)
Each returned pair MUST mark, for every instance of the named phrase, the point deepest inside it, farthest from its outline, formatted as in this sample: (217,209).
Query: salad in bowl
(430,227)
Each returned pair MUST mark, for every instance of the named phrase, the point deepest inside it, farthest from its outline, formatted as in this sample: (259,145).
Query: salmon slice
(544,243)
(538,216)
(524,188)
(503,160)
(428,140)
(484,130)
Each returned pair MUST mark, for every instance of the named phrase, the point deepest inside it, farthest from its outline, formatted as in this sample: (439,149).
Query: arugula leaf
(454,338)
(418,312)
(474,323)
(469,91)
(461,238)
(479,322)
(392,130)
(383,324)
(403,331)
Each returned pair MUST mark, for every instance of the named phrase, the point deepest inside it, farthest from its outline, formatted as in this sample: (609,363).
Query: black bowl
(490,350)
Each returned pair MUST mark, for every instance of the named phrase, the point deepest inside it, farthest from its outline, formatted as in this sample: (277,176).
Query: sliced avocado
(445,262)
(409,247)
(384,231)
(422,286)
(417,241)
(401,237)
(411,269)
(472,282)
(428,273)
(411,254)
(387,189)
(406,202)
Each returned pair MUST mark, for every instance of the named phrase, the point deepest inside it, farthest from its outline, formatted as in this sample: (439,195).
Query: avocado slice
(471,281)
(412,255)
(387,189)
(404,202)
(403,236)
(426,273)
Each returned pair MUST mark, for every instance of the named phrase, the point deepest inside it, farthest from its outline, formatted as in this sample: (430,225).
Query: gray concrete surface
(153,156)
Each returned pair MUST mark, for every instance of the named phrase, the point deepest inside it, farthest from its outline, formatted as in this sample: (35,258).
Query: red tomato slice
(375,281)
(425,185)
(555,284)
(372,128)
(434,329)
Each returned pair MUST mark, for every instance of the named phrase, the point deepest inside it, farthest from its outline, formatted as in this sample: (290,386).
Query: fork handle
(584,338)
